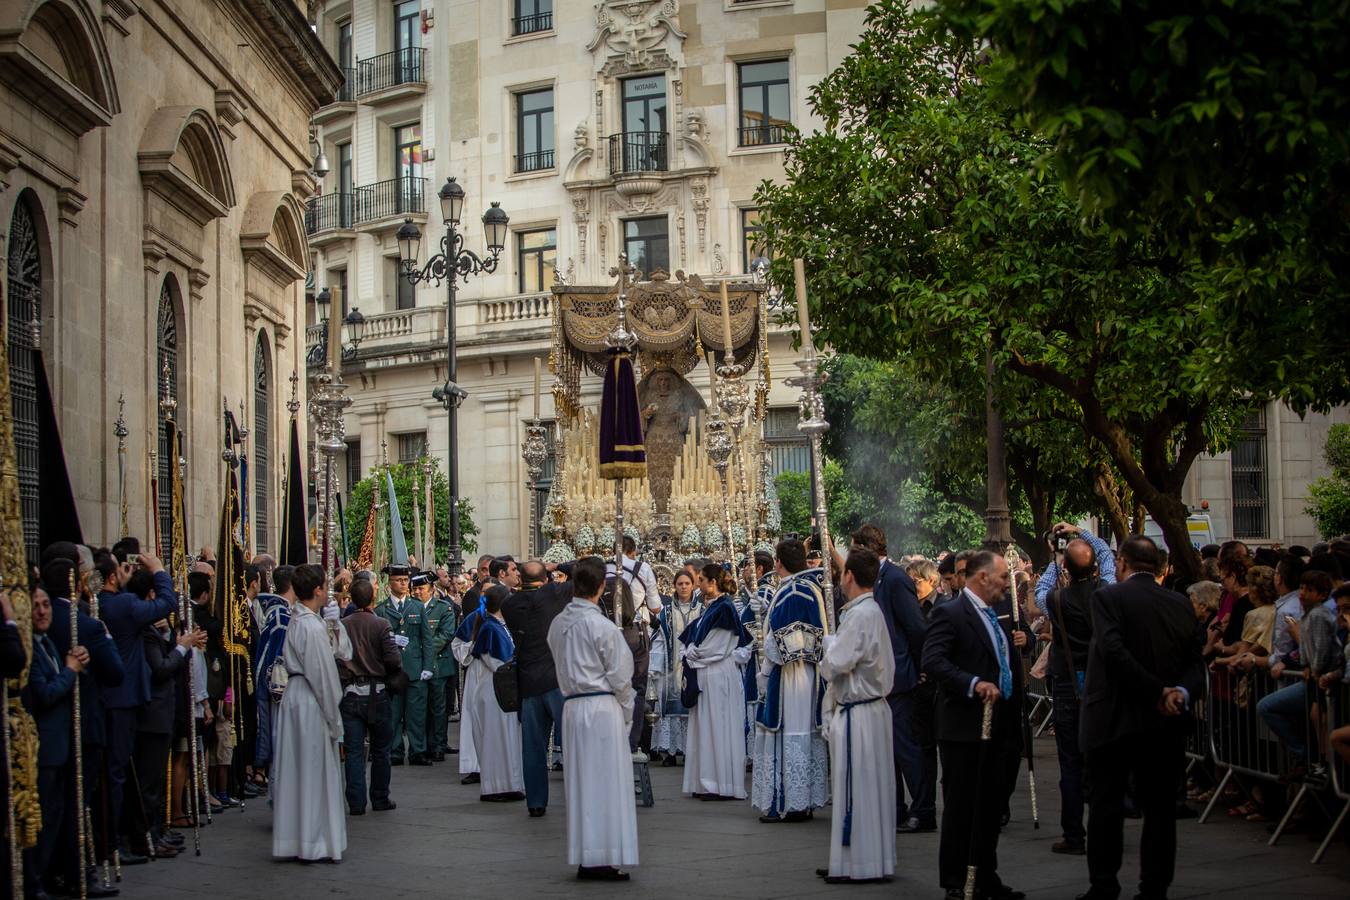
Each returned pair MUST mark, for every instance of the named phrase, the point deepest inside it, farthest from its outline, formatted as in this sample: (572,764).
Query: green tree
(1329,497)
(931,235)
(1220,131)
(363,494)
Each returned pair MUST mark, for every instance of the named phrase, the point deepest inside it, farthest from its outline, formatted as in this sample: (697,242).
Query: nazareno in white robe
(791,771)
(309,815)
(592,657)
(858,666)
(714,755)
(468,753)
(496,734)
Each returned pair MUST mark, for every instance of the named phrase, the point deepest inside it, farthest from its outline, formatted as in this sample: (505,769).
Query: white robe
(468,754)
(714,758)
(669,734)
(309,816)
(791,771)
(496,734)
(592,657)
(858,665)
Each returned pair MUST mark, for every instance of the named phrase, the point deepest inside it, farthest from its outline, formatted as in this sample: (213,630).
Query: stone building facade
(604,126)
(599,127)
(154,166)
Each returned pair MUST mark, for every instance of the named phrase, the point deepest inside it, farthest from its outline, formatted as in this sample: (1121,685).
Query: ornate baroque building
(641,127)
(154,167)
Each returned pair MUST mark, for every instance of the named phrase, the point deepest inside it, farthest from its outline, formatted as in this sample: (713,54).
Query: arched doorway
(24,290)
(262,445)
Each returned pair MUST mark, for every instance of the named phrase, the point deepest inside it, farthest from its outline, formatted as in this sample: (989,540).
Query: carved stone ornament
(634,32)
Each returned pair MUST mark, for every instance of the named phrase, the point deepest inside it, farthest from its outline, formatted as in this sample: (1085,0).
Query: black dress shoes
(471,778)
(419,759)
(537,812)
(438,756)
(1068,847)
(357,812)
(600,873)
(384,807)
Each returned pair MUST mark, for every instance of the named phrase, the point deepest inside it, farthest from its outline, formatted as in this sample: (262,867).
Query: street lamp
(451,264)
(356,327)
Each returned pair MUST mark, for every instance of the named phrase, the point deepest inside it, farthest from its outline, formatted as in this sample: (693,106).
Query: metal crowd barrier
(1230,734)
(1042,711)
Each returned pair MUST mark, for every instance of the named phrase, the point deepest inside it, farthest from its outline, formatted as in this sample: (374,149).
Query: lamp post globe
(356,326)
(451,196)
(322,303)
(409,244)
(495,221)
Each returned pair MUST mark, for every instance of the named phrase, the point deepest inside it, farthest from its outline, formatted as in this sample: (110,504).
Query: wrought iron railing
(405,66)
(541,21)
(763,135)
(638,151)
(329,211)
(397,196)
(347,93)
(534,162)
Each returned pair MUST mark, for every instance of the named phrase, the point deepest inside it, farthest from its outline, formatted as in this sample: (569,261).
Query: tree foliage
(932,236)
(363,493)
(1329,497)
(1219,131)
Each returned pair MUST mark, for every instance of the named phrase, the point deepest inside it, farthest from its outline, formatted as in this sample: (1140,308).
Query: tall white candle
(803,314)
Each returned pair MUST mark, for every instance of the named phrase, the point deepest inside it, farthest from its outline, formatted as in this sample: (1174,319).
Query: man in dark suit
(529,612)
(1144,667)
(126,616)
(51,682)
(973,661)
(899,602)
(165,656)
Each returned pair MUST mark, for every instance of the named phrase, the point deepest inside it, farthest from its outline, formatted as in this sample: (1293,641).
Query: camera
(133,559)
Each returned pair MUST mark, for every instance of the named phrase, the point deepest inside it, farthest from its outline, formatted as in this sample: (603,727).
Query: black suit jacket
(1143,640)
(956,651)
(105,669)
(164,663)
(899,602)
(47,697)
(528,616)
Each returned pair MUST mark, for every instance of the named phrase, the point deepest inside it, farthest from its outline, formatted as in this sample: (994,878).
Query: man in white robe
(858,667)
(791,770)
(715,647)
(309,814)
(595,674)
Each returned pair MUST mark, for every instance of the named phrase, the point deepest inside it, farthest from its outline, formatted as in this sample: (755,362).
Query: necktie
(45,643)
(1004,671)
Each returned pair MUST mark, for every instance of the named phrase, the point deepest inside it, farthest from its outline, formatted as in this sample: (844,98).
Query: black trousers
(1070,761)
(969,820)
(1156,760)
(150,763)
(923,805)
(56,794)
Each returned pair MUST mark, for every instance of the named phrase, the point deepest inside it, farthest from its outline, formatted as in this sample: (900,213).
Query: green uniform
(441,625)
(410,707)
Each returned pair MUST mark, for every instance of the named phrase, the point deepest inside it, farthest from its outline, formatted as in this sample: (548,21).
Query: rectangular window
(407,24)
(344,45)
(354,473)
(752,238)
(647,243)
(536,255)
(766,102)
(644,104)
(346,190)
(532,16)
(412,446)
(403,293)
(789,450)
(408,168)
(1251,518)
(534,130)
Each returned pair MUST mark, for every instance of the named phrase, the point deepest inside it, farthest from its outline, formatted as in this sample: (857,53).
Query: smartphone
(133,559)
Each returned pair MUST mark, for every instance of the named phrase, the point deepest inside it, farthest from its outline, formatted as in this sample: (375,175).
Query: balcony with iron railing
(391,75)
(344,101)
(389,201)
(538,161)
(638,151)
(329,213)
(765,135)
(532,24)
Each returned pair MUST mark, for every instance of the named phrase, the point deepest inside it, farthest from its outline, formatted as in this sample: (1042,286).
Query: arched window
(166,345)
(25,307)
(262,444)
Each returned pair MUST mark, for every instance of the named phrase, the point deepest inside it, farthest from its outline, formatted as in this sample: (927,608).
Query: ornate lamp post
(452,263)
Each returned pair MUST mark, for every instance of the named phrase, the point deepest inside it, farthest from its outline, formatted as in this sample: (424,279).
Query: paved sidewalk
(442,843)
